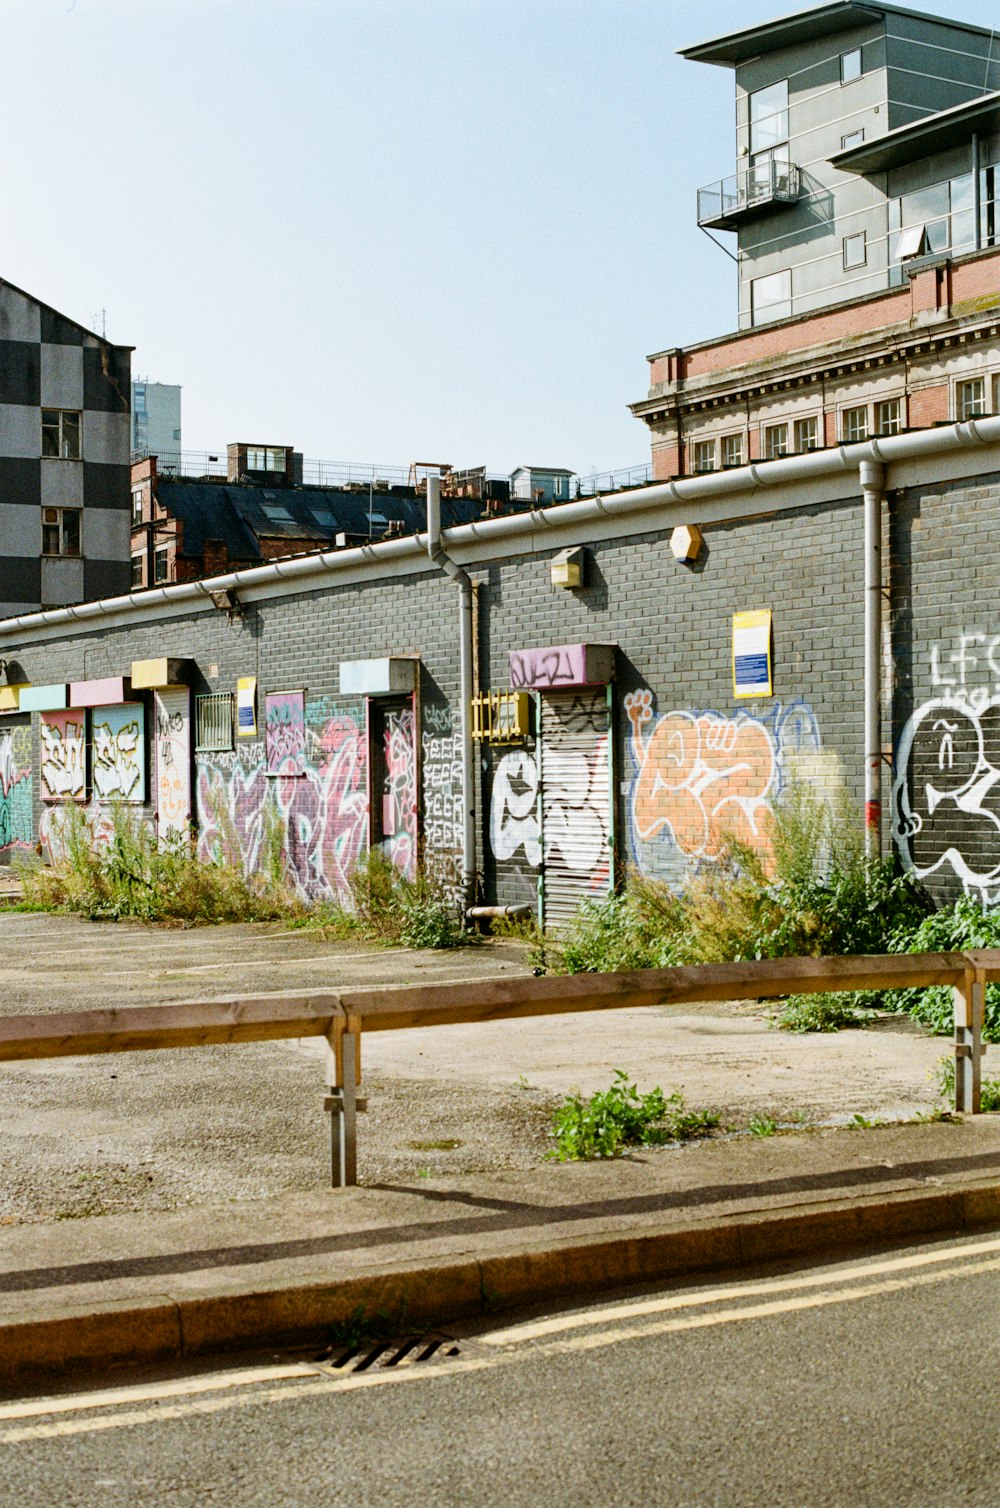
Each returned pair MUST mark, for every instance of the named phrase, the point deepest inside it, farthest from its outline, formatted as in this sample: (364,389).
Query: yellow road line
(535,1330)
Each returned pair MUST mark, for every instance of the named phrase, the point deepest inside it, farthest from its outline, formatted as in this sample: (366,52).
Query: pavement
(162,1287)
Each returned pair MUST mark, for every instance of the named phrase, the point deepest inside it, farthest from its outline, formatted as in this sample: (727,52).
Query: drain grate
(387,1355)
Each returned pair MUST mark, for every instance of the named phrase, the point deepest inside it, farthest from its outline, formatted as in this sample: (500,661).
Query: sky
(379,230)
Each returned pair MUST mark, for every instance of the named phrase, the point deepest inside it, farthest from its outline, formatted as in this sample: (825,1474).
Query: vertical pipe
(873,489)
(976,195)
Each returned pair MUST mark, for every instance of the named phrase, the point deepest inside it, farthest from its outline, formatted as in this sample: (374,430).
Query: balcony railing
(759,189)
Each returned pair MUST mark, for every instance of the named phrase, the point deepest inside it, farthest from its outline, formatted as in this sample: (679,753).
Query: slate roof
(241,515)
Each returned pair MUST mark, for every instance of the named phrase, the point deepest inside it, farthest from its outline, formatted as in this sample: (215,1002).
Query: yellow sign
(752,654)
(246,706)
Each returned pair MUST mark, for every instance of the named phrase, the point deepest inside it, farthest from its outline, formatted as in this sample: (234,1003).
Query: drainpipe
(463,581)
(977,208)
(873,489)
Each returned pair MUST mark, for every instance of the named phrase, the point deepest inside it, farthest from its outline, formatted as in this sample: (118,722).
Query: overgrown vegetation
(818,1013)
(989,1089)
(620,1117)
(387,907)
(133,874)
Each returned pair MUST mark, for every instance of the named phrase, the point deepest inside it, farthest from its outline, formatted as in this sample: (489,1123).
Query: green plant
(386,906)
(614,935)
(817,1013)
(760,1124)
(953,929)
(621,1117)
(989,1089)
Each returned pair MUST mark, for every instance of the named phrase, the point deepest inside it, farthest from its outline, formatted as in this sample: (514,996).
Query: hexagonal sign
(685,542)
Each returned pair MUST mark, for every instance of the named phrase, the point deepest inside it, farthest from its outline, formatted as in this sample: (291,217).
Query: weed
(762,1125)
(445,1144)
(989,1089)
(360,1327)
(860,1122)
(620,1117)
(385,906)
(423,1172)
(817,1013)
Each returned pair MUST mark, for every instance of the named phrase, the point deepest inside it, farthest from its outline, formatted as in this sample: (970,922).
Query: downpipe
(873,491)
(463,581)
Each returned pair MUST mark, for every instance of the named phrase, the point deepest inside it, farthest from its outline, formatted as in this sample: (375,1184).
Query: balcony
(759,190)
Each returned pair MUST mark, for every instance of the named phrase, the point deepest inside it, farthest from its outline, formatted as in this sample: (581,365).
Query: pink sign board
(561,665)
(106,693)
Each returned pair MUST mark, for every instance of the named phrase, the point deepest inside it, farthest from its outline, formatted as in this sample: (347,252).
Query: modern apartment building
(156,421)
(64,458)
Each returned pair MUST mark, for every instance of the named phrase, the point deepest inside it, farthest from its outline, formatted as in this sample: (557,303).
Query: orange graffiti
(706,778)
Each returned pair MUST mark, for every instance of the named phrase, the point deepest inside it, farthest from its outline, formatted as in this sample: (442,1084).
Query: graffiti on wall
(514,825)
(172,710)
(63,775)
(441,764)
(285,732)
(399,790)
(946,793)
(15,789)
(701,777)
(119,759)
(53,835)
(323,814)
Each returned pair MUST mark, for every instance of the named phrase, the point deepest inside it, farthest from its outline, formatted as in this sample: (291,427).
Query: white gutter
(463,581)
(462,541)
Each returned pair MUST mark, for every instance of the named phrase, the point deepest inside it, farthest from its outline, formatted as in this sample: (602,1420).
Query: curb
(162,1328)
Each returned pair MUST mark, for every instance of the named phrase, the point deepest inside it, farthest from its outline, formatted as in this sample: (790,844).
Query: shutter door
(575,779)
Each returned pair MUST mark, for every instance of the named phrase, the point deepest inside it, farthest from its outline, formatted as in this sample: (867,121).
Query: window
(850,66)
(807,433)
(854,424)
(704,455)
(60,531)
(137,570)
(213,721)
(771,296)
(855,251)
(775,441)
(277,513)
(970,398)
(887,417)
(732,450)
(852,139)
(61,433)
(266,459)
(557,486)
(137,505)
(769,116)
(161,566)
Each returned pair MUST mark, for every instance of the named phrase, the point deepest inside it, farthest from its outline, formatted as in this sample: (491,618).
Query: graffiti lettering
(15,789)
(285,733)
(399,792)
(514,808)
(64,756)
(173,762)
(119,756)
(562,665)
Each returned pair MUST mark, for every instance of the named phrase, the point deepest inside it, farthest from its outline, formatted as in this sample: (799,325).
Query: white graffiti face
(946,798)
(575,807)
(513,810)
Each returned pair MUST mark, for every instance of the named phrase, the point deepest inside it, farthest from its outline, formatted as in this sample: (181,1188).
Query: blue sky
(390,230)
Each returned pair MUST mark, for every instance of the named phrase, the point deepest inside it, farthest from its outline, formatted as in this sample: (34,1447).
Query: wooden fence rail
(342,1017)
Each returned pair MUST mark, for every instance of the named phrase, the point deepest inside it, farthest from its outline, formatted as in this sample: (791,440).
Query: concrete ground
(177,1130)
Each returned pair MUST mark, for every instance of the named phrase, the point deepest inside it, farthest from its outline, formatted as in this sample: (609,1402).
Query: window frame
(161,556)
(737,437)
(137,570)
(858,235)
(137,502)
(962,415)
(797,427)
(852,139)
(774,449)
(781,139)
(850,78)
(702,450)
(47,424)
(879,427)
(59,523)
(213,743)
(782,303)
(846,415)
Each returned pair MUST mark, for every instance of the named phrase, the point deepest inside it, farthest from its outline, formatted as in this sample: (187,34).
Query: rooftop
(804,26)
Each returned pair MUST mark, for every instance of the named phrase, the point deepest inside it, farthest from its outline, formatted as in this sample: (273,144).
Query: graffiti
(285,732)
(441,763)
(52,830)
(399,791)
(436,718)
(561,665)
(172,710)
(702,778)
(323,814)
(946,798)
(514,820)
(119,768)
(64,756)
(575,797)
(15,788)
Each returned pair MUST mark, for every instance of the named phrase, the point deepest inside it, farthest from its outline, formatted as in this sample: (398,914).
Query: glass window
(137,506)
(850,66)
(887,420)
(852,139)
(771,296)
(775,441)
(855,251)
(61,433)
(970,398)
(732,450)
(854,424)
(60,531)
(807,433)
(704,455)
(137,570)
(213,720)
(769,116)
(160,566)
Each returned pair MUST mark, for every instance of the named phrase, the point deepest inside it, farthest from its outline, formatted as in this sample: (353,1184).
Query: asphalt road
(863,1383)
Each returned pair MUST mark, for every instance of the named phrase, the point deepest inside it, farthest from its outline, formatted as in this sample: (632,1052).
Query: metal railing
(342,1017)
(767,183)
(614,481)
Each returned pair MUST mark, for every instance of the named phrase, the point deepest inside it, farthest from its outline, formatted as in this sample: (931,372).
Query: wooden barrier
(342,1017)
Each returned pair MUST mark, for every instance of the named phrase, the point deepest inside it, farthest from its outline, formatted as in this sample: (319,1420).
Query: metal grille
(500,717)
(576,801)
(387,1355)
(214,721)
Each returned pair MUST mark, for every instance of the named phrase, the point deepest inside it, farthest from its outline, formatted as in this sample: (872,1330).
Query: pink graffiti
(399,800)
(706,778)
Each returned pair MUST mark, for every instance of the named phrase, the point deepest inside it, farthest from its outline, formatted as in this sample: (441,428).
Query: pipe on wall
(463,581)
(873,491)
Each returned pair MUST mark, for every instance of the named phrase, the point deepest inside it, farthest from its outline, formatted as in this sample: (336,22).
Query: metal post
(343,1072)
(873,486)
(969,1004)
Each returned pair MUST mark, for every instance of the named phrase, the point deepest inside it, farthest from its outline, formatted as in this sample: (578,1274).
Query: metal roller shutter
(576,795)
